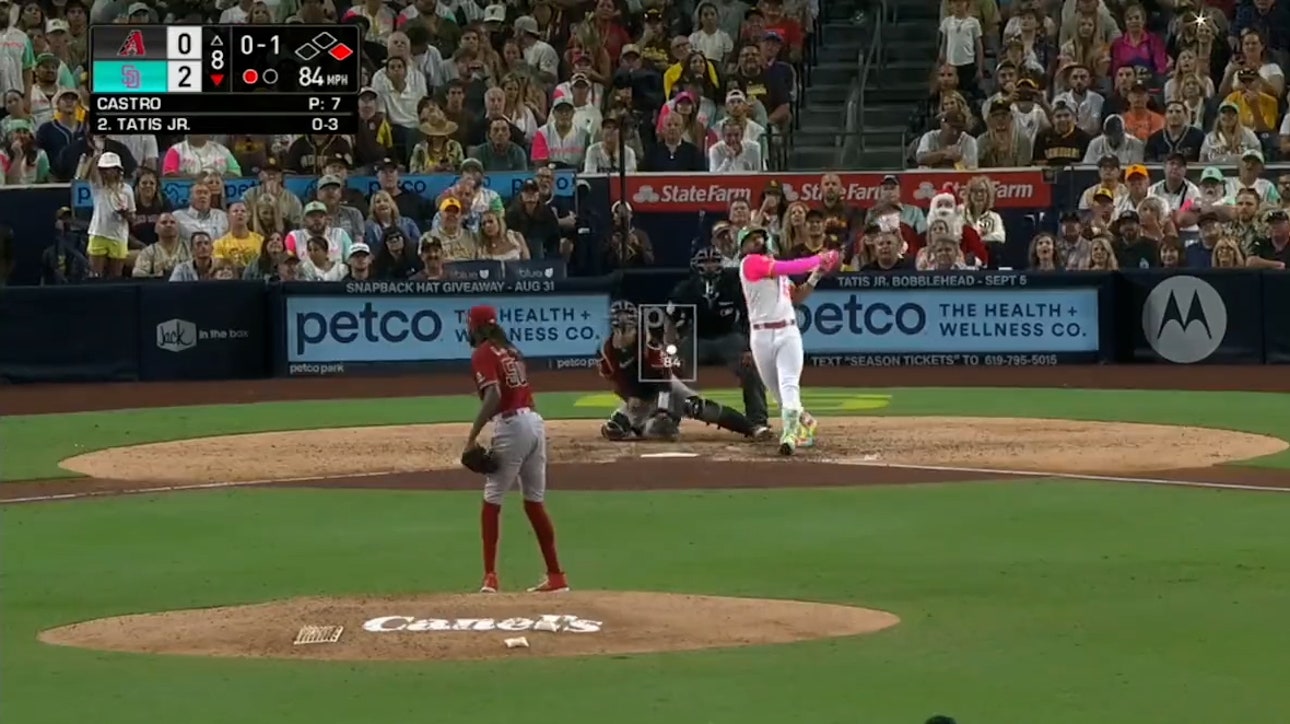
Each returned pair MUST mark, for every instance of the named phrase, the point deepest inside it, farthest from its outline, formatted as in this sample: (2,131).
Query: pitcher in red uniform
(519,445)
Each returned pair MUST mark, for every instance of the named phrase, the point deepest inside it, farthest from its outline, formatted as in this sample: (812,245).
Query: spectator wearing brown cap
(948,147)
(308,154)
(437,151)
(1109,171)
(1063,144)
(1177,136)
(1002,145)
(1030,110)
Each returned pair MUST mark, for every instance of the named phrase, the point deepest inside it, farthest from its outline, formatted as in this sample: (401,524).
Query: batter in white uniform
(774,337)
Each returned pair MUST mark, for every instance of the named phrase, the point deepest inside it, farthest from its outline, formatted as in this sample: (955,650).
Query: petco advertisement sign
(1015,327)
(332,330)
(663,193)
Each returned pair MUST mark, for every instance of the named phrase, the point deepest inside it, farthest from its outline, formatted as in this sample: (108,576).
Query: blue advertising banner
(429,186)
(325,330)
(533,269)
(999,321)
(474,271)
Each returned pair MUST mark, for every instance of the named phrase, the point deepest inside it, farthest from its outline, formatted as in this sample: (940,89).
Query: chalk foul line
(866,461)
(1071,476)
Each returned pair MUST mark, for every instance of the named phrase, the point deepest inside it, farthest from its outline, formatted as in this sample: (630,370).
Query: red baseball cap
(480,315)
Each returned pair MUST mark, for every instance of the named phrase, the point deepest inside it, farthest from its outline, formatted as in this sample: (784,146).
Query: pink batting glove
(830,260)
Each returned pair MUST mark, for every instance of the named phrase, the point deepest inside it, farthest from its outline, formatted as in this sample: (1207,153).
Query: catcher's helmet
(622,315)
(706,262)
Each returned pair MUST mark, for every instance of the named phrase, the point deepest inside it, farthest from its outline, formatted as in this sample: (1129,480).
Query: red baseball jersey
(500,366)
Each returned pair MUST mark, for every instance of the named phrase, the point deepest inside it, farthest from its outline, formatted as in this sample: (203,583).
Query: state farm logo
(555,623)
(926,191)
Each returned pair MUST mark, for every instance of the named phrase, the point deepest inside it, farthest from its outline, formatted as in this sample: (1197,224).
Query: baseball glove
(479,460)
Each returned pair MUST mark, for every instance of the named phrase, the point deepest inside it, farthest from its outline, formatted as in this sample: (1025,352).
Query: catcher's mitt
(479,460)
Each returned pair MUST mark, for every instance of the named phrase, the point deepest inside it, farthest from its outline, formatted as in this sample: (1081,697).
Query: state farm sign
(665,193)
(555,623)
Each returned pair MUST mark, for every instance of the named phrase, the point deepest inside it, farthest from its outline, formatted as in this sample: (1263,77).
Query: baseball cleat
(490,583)
(806,431)
(552,583)
(763,433)
(786,447)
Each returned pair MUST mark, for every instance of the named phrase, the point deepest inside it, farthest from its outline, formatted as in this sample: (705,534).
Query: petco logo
(555,623)
(176,335)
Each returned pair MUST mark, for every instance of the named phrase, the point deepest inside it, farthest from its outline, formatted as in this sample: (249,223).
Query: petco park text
(664,193)
(555,623)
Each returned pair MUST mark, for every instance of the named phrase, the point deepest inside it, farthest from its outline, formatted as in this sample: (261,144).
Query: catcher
(653,400)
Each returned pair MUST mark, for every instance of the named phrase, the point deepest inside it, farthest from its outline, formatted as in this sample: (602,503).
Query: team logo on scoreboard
(130,77)
(132,46)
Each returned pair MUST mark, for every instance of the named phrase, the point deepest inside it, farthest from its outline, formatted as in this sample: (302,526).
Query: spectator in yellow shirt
(688,61)
(240,246)
(1256,108)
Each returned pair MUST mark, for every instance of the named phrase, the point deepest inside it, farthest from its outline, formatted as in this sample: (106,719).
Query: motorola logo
(1184,319)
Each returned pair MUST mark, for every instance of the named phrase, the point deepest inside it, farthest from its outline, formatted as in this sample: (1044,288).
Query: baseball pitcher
(517,453)
(773,334)
(653,400)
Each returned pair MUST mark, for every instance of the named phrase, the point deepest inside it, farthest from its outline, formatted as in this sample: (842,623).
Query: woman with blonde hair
(1042,254)
(383,216)
(978,213)
(1086,48)
(1229,139)
(955,101)
(266,216)
(517,109)
(1153,219)
(1101,255)
(498,243)
(794,228)
(1186,66)
(1227,254)
(1197,106)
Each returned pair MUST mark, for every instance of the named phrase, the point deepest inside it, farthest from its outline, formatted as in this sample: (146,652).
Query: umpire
(708,313)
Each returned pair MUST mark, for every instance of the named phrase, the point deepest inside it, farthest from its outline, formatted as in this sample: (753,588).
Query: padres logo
(1184,319)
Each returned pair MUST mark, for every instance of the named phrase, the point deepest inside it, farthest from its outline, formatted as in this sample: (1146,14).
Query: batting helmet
(755,234)
(706,262)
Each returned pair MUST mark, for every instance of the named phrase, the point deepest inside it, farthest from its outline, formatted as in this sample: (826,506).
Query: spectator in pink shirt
(1138,46)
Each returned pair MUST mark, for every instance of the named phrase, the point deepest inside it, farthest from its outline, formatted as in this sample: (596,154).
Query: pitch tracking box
(225,79)
(657,342)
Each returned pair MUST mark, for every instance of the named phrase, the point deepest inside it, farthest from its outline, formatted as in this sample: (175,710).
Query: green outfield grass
(1041,601)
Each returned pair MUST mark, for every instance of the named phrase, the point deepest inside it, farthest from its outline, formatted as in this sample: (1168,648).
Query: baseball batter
(653,400)
(518,445)
(774,338)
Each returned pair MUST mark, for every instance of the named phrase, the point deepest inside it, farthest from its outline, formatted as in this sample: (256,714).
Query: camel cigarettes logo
(555,623)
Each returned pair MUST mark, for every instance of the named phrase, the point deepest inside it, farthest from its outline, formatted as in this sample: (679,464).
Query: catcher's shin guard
(617,427)
(715,413)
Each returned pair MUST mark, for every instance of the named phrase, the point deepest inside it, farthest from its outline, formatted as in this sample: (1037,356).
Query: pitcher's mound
(474,626)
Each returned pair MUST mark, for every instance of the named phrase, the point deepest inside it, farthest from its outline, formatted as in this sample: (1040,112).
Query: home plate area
(471,626)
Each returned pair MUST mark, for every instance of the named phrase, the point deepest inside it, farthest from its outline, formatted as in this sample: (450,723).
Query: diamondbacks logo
(132,46)
(1184,319)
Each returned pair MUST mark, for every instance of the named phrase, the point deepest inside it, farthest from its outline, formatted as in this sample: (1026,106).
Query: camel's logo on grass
(555,623)
(1184,319)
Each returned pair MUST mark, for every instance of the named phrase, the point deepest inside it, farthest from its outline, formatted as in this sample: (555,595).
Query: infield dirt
(1015,444)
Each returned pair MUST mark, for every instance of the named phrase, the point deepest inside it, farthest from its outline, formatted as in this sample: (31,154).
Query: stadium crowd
(1186,84)
(449,86)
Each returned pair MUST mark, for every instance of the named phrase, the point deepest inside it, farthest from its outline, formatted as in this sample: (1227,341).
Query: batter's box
(658,357)
(318,635)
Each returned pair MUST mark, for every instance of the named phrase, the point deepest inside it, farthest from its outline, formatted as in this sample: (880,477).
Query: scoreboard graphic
(225,79)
